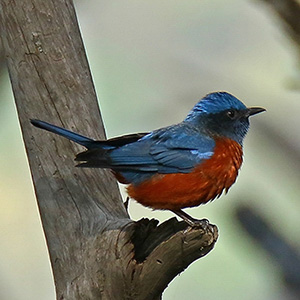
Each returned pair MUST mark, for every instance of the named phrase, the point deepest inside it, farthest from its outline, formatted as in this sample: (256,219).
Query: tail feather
(75,137)
(91,154)
(98,153)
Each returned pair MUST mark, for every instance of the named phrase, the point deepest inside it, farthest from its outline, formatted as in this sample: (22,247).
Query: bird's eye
(231,114)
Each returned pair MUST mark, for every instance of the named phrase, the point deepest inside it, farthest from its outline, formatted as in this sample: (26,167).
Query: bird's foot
(190,220)
(203,223)
(126,203)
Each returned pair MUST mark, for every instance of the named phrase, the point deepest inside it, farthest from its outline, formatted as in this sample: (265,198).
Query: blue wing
(182,148)
(175,149)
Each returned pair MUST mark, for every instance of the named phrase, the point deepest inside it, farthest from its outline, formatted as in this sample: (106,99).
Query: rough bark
(96,251)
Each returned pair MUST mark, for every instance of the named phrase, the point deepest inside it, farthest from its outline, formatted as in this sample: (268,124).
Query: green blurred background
(151,62)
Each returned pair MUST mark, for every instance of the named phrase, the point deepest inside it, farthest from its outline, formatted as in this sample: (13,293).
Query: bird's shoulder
(180,137)
(178,146)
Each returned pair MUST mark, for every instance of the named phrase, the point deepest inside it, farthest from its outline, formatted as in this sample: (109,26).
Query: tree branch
(289,13)
(171,248)
(284,255)
(96,251)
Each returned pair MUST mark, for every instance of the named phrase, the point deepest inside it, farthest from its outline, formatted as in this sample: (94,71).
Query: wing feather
(177,149)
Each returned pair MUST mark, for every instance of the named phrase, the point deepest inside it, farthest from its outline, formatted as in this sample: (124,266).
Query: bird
(178,166)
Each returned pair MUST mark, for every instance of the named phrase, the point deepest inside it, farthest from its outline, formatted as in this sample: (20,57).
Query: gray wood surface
(96,251)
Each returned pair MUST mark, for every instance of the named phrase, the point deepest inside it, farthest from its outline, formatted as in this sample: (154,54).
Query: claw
(190,220)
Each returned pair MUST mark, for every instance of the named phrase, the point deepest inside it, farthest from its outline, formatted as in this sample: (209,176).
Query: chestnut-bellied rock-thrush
(178,166)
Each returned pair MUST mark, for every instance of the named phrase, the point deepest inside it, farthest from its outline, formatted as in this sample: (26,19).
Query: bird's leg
(190,220)
(126,203)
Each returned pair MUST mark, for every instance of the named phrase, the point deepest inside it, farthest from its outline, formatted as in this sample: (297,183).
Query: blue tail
(77,138)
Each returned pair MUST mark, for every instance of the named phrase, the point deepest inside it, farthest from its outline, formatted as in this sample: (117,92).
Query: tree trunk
(96,251)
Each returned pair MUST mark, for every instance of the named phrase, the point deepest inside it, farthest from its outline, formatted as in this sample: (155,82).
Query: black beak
(251,111)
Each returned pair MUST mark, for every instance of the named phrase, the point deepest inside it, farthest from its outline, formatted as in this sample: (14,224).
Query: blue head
(222,114)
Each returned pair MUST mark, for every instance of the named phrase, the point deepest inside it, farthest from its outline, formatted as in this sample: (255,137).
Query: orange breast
(203,184)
